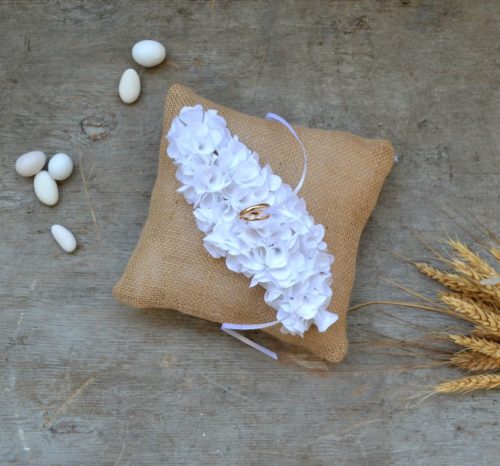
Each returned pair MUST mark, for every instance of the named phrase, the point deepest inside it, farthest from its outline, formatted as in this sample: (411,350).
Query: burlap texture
(170,269)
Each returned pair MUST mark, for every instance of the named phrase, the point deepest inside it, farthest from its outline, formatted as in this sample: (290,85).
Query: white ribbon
(273,116)
(230,328)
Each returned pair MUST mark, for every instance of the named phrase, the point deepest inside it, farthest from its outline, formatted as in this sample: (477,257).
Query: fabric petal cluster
(285,252)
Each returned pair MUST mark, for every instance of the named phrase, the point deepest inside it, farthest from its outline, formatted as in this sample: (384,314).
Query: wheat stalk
(474,296)
(469,384)
(472,312)
(467,270)
(449,280)
(490,294)
(456,282)
(478,264)
(462,284)
(488,307)
(480,345)
(475,362)
(482,333)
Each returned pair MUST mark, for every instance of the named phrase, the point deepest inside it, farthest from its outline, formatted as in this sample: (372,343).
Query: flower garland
(283,250)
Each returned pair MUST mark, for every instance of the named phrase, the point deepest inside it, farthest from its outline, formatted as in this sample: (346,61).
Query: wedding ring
(255,212)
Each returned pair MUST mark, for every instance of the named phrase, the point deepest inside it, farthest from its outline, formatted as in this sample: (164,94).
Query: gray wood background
(87,381)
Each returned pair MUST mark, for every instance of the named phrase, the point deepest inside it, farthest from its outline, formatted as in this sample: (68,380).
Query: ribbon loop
(288,126)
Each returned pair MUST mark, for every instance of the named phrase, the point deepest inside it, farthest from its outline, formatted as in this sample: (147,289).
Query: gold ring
(255,213)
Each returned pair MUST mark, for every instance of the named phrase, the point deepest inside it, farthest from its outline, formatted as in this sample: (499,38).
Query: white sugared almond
(63,237)
(46,188)
(60,166)
(129,88)
(31,163)
(148,53)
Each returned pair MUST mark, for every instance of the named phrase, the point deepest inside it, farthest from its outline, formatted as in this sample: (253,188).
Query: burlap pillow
(170,268)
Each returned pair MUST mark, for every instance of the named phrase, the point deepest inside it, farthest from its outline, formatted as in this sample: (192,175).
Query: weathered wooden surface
(87,381)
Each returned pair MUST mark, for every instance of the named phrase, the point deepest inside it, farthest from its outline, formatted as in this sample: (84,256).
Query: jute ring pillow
(170,268)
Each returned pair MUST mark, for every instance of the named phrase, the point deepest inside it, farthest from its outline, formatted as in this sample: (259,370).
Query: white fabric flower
(285,253)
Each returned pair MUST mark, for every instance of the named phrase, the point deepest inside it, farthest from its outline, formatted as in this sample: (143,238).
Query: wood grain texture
(85,381)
